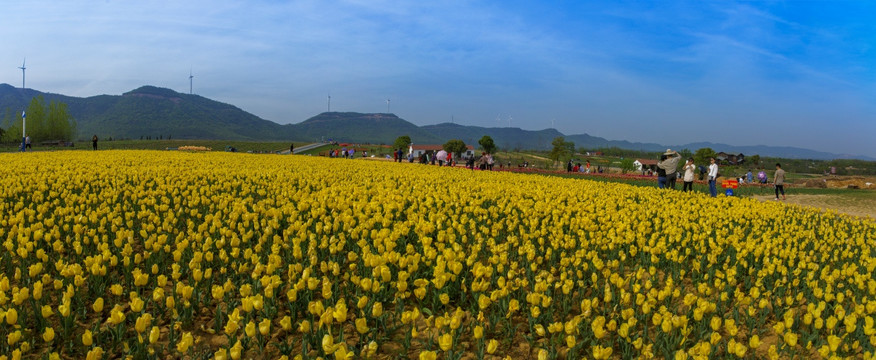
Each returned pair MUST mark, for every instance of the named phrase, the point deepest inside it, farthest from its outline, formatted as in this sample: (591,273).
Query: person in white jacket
(689,170)
(713,176)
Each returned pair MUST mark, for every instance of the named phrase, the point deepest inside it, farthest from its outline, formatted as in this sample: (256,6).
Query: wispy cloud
(599,67)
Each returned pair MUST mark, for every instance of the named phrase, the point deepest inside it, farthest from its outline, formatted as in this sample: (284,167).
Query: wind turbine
(387,106)
(330,103)
(499,119)
(509,120)
(22,67)
(190,80)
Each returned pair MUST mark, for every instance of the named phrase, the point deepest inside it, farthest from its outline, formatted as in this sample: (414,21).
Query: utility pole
(23,130)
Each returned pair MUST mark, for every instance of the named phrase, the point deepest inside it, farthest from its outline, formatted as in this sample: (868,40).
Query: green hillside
(152,112)
(360,128)
(505,138)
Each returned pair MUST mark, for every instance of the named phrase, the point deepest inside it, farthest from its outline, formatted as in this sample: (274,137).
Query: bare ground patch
(863,204)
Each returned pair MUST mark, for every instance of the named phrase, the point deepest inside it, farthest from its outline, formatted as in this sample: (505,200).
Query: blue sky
(796,73)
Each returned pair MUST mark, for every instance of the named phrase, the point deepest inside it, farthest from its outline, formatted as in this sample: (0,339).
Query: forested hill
(154,112)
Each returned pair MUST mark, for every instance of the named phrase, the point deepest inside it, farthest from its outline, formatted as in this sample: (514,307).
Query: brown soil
(862,206)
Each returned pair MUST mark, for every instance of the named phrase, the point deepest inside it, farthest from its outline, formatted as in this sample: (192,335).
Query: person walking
(689,170)
(779,181)
(713,176)
(292,149)
(669,163)
(94,142)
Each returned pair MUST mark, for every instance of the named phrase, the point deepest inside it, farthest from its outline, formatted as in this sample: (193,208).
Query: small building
(434,149)
(732,159)
(645,164)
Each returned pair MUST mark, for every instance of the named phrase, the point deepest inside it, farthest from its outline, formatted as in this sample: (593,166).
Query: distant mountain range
(152,111)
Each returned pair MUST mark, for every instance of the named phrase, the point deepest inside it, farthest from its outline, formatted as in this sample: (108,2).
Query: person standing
(779,181)
(669,163)
(713,176)
(689,170)
(661,173)
(569,166)
(292,149)
(27,143)
(94,142)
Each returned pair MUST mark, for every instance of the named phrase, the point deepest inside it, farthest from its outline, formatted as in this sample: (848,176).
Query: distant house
(732,159)
(644,164)
(434,149)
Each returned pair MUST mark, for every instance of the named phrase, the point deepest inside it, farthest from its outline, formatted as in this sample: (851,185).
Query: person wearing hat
(669,163)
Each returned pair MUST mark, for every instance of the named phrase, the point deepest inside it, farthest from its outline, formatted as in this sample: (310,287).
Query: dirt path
(863,204)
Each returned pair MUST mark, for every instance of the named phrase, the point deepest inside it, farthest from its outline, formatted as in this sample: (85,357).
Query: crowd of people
(346,154)
(586,168)
(667,174)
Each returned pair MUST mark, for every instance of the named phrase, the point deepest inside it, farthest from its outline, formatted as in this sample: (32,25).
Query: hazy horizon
(742,73)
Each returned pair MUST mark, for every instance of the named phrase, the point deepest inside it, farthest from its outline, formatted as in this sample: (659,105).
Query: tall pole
(190,81)
(22,67)
(329,103)
(387,106)
(23,130)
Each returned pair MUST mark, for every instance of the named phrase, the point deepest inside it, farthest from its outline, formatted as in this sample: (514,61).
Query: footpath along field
(155,254)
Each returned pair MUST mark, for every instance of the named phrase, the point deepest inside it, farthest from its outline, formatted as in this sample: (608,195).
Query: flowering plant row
(147,254)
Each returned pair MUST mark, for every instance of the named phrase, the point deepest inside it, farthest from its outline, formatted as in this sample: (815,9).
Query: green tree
(702,156)
(486,143)
(685,154)
(627,165)
(562,149)
(49,121)
(754,160)
(402,142)
(456,147)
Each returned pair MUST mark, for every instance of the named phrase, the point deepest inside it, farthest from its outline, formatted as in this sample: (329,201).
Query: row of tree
(454,146)
(49,121)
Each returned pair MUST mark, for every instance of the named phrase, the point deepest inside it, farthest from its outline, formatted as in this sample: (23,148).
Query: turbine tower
(387,106)
(190,81)
(330,103)
(22,67)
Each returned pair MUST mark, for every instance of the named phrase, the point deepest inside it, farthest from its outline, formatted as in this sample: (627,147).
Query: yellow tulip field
(160,254)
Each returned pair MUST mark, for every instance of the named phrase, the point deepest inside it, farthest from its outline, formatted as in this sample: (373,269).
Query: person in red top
(449,159)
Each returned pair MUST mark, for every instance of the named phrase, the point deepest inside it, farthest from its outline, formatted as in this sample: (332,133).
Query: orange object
(732,184)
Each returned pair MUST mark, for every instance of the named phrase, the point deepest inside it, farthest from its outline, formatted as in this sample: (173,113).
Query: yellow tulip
(94,354)
(48,334)
(361,325)
(11,316)
(185,342)
(445,342)
(236,350)
(86,338)
(265,327)
(154,335)
(250,329)
(492,346)
(13,337)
